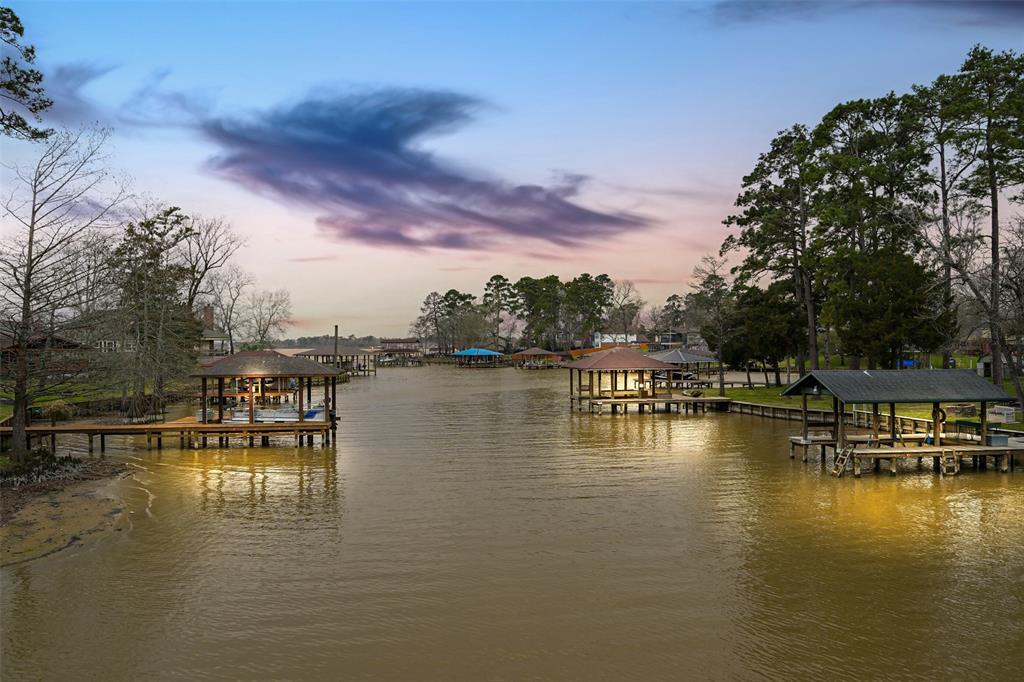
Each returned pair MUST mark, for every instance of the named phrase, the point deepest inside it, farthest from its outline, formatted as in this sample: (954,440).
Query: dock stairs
(949,463)
(842,460)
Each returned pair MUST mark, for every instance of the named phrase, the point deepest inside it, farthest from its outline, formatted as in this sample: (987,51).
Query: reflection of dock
(189,433)
(663,403)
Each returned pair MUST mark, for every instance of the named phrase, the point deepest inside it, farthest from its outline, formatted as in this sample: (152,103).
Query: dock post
(159,441)
(149,440)
(103,442)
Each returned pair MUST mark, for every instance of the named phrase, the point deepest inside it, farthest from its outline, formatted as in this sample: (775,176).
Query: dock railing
(863,418)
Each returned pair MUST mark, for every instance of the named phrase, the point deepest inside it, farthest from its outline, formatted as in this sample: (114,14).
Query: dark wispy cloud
(66,85)
(150,105)
(969,12)
(359,158)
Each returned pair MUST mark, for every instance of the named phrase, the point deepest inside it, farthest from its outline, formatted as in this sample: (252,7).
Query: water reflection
(468,525)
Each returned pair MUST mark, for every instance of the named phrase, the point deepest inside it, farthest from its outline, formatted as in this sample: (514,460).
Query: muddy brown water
(468,526)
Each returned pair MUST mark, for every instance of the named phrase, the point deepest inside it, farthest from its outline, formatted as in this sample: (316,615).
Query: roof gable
(898,386)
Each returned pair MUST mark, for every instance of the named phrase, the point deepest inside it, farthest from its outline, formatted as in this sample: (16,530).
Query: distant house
(686,338)
(57,356)
(606,339)
(213,342)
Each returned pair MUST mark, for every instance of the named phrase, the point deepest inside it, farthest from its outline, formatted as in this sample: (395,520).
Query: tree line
(881,230)
(87,265)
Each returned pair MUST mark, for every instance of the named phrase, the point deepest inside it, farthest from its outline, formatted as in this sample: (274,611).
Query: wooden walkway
(190,434)
(678,404)
(946,458)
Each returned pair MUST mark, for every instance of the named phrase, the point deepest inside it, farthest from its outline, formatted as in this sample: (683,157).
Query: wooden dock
(946,459)
(664,403)
(190,434)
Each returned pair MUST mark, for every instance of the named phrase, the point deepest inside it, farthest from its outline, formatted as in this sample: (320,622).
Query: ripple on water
(467,525)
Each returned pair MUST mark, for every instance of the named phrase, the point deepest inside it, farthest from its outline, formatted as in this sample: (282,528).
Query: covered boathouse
(273,380)
(478,357)
(889,387)
(355,361)
(623,377)
(535,358)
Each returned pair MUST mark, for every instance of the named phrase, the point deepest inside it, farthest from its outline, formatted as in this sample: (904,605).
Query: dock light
(816,391)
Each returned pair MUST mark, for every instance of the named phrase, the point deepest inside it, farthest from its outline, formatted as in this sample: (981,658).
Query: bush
(42,465)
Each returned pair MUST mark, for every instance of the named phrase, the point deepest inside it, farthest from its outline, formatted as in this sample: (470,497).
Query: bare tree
(55,208)
(625,308)
(208,246)
(267,314)
(227,287)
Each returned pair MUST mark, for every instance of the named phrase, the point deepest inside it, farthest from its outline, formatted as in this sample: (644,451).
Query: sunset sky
(371,153)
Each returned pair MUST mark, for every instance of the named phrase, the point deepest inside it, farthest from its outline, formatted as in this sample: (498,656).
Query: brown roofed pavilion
(257,367)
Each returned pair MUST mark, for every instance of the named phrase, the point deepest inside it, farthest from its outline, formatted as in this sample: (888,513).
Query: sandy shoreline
(43,518)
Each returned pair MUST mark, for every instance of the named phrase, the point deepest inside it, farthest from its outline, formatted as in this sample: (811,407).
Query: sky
(369,153)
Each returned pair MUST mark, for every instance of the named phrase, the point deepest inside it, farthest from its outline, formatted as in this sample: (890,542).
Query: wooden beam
(220,399)
(983,432)
(203,393)
(327,401)
(803,420)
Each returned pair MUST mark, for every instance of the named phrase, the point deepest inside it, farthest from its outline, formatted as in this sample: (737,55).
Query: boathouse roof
(678,356)
(468,352)
(265,363)
(618,359)
(899,386)
(534,352)
(329,350)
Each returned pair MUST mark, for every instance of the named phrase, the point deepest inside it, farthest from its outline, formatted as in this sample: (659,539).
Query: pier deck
(190,433)
(665,403)
(946,458)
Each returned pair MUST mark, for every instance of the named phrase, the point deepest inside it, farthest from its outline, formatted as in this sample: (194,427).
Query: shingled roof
(676,356)
(618,359)
(533,352)
(265,363)
(329,350)
(899,386)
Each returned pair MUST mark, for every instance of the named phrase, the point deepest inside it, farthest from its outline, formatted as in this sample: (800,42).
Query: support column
(874,421)
(803,422)
(302,409)
(983,431)
(835,421)
(936,426)
(220,400)
(328,405)
(334,401)
(203,394)
(252,413)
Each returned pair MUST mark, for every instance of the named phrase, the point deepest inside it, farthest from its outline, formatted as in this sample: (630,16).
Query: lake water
(467,525)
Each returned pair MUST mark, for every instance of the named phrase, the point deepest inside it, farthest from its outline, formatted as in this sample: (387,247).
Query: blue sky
(258,112)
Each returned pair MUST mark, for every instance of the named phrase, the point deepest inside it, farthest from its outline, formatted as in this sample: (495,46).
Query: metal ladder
(949,463)
(842,460)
